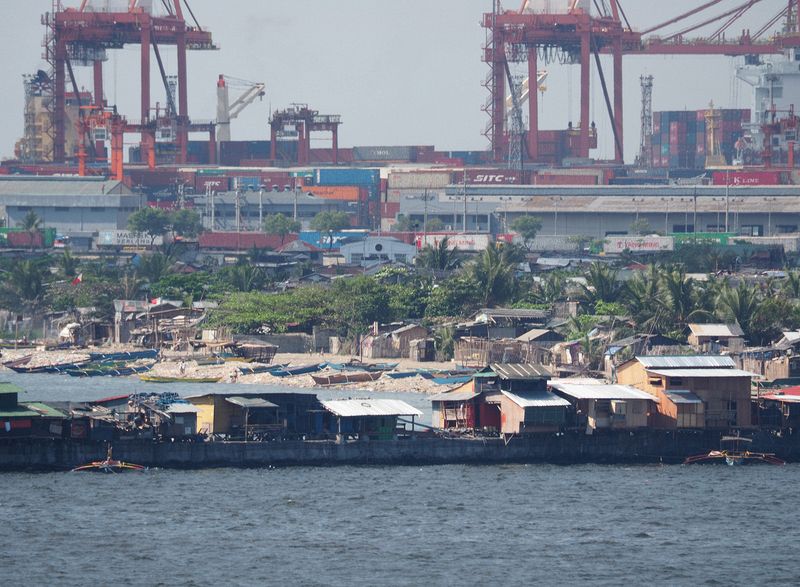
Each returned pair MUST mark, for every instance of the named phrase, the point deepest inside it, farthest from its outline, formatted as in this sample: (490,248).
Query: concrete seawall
(623,447)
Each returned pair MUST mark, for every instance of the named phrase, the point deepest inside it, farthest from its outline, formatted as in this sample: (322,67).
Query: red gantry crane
(83,35)
(584,30)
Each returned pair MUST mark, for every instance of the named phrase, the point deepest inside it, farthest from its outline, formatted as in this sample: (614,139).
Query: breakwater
(612,447)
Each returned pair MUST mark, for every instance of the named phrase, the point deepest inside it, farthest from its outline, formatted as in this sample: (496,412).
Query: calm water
(451,525)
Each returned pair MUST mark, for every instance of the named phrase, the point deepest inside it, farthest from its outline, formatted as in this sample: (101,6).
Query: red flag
(77,279)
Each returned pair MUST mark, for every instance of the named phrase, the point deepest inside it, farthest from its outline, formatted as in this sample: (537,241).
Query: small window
(675,381)
(656,381)
(98,209)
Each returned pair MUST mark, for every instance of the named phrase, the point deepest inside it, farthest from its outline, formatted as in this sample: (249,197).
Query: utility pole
(727,199)
(645,157)
(465,201)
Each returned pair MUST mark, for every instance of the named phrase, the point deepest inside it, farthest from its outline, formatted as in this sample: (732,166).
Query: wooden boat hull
(245,370)
(344,378)
(124,356)
(402,374)
(157,379)
(300,370)
(116,372)
(108,467)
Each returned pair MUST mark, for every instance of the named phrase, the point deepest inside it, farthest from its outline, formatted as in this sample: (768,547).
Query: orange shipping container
(346,193)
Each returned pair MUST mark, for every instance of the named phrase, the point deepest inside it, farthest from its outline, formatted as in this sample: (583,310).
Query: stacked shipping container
(680,138)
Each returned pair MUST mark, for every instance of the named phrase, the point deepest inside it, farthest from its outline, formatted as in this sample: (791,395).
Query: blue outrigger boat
(299,370)
(247,370)
(124,356)
(122,371)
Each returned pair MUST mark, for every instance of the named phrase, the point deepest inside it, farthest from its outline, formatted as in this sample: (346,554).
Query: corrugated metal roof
(687,362)
(715,373)
(19,413)
(249,402)
(683,397)
(183,408)
(6,387)
(48,186)
(601,391)
(354,408)
(455,396)
(520,371)
(534,334)
(44,410)
(491,313)
(792,336)
(716,330)
(536,399)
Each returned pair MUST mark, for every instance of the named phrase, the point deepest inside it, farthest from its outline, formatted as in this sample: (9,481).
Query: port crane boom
(227,111)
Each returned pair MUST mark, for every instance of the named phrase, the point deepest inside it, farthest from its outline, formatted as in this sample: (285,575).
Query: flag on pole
(78,279)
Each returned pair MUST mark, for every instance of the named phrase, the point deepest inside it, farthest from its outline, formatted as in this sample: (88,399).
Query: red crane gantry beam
(517,36)
(103,30)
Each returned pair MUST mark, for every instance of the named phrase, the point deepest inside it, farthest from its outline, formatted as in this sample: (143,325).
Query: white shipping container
(419,180)
(464,242)
(126,238)
(618,244)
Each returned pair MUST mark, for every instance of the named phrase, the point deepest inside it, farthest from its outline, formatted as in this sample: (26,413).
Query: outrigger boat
(342,378)
(160,379)
(21,366)
(109,465)
(299,370)
(735,456)
(109,371)
(125,355)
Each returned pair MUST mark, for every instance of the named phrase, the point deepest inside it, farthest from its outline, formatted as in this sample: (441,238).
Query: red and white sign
(736,178)
(618,244)
(464,242)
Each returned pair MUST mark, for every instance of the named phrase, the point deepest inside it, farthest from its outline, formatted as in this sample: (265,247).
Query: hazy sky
(399,73)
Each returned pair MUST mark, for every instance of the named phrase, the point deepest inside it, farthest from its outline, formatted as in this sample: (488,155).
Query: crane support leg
(533,104)
(585,96)
(618,131)
(183,97)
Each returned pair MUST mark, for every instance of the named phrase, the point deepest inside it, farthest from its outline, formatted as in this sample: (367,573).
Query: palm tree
(245,277)
(739,305)
(68,265)
(681,298)
(26,280)
(791,287)
(154,267)
(642,296)
(439,256)
(31,223)
(493,271)
(601,285)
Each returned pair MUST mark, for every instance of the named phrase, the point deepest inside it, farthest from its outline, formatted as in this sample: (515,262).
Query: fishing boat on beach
(22,366)
(163,379)
(124,355)
(249,370)
(359,366)
(109,465)
(735,455)
(109,371)
(344,378)
(299,370)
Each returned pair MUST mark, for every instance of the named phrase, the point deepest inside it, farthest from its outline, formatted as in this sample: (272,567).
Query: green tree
(186,223)
(280,225)
(153,222)
(741,305)
(640,227)
(454,298)
(434,225)
(68,265)
(791,286)
(439,256)
(32,224)
(330,222)
(527,227)
(154,267)
(602,285)
(243,277)
(403,224)
(681,298)
(25,285)
(493,272)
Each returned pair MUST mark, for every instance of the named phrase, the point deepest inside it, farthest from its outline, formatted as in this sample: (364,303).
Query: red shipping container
(390,209)
(544,179)
(24,239)
(489,177)
(737,178)
(215,183)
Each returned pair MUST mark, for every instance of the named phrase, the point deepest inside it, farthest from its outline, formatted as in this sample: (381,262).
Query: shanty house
(15,419)
(136,319)
(713,337)
(599,405)
(502,323)
(366,419)
(693,391)
(466,408)
(785,404)
(526,406)
(236,413)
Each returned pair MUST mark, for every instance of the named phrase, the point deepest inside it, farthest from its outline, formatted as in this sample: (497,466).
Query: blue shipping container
(348,176)
(247,183)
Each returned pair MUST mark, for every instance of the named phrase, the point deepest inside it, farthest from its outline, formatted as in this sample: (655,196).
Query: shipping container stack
(366,181)
(680,139)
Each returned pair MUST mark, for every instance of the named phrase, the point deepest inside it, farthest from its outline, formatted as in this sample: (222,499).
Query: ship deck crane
(227,111)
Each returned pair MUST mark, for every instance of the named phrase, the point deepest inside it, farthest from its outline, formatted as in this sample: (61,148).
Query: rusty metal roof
(520,371)
(716,330)
(710,373)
